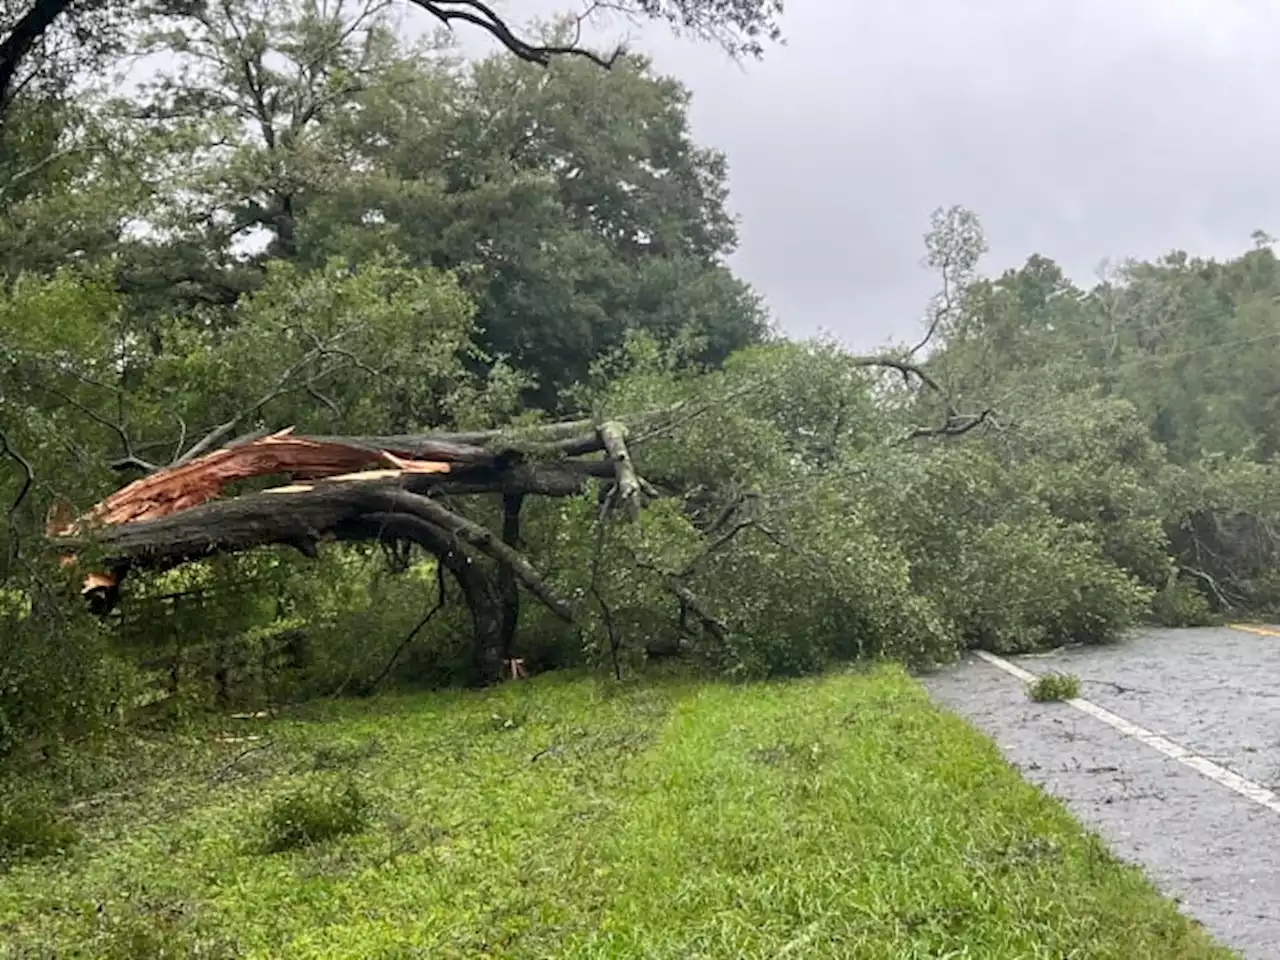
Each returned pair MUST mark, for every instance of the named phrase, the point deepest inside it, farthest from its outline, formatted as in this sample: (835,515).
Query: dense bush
(1182,604)
(29,826)
(59,677)
(318,810)
(1050,687)
(1222,518)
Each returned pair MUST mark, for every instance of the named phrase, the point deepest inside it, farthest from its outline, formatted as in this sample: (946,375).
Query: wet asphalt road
(1214,691)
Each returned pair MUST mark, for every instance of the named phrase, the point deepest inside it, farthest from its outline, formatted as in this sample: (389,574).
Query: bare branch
(481,15)
(1212,584)
(283,385)
(182,436)
(689,601)
(128,457)
(34,168)
(938,315)
(954,426)
(908,370)
(483,540)
(418,627)
(29,479)
(132,462)
(955,423)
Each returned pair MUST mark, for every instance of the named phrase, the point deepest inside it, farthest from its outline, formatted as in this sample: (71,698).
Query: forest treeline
(296,218)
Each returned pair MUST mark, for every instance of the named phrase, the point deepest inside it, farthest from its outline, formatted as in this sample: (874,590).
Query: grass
(561,817)
(1054,686)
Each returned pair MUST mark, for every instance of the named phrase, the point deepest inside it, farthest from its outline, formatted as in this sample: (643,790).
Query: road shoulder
(1215,851)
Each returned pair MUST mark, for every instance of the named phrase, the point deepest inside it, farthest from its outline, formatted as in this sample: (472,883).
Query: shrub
(1220,516)
(1054,686)
(58,678)
(994,558)
(29,828)
(343,755)
(312,814)
(1035,583)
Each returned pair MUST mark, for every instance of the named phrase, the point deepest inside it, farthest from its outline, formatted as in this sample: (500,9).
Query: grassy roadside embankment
(836,817)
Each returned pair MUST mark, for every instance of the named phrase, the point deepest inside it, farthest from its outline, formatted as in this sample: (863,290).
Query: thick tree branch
(606,611)
(304,515)
(613,437)
(693,603)
(508,595)
(22,38)
(483,540)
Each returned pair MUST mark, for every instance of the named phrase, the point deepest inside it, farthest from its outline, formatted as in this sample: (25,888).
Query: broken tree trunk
(389,489)
(203,479)
(627,483)
(508,587)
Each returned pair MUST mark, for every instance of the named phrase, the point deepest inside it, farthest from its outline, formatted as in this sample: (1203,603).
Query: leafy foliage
(30,827)
(1054,686)
(306,221)
(1189,346)
(572,203)
(60,679)
(312,814)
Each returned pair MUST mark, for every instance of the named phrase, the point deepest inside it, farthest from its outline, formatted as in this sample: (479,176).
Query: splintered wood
(203,479)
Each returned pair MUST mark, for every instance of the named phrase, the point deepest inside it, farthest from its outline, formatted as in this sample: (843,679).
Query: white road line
(1202,765)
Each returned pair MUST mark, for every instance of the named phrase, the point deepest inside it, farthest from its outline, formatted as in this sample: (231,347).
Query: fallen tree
(391,489)
(406,490)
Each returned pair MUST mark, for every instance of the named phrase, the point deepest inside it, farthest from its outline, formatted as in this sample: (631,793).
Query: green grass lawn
(564,817)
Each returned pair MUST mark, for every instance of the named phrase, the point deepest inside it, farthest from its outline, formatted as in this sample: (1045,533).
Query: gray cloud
(1079,129)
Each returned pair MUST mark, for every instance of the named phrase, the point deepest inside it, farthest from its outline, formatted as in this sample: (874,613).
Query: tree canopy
(42,41)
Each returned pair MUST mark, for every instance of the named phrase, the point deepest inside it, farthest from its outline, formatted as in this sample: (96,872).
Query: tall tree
(255,90)
(576,207)
(573,203)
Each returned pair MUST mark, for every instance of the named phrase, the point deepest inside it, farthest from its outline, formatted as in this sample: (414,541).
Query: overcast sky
(1078,129)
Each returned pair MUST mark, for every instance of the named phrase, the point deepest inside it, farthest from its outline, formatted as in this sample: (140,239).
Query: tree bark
(474,581)
(306,515)
(508,591)
(613,438)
